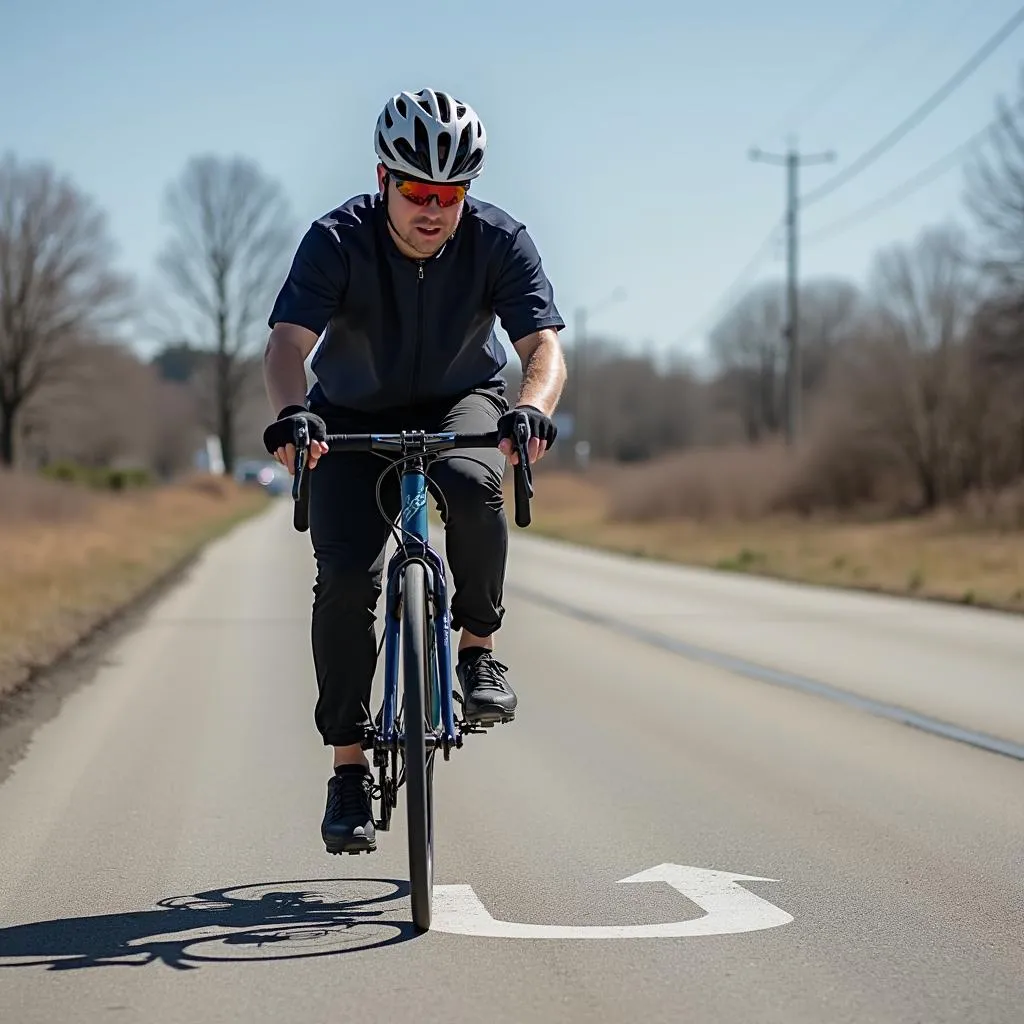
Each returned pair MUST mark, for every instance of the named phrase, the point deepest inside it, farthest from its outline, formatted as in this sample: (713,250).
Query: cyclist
(405,284)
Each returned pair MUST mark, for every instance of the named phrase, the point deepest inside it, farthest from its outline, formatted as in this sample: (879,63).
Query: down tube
(415,524)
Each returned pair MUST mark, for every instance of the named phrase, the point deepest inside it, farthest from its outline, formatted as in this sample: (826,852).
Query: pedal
(490,723)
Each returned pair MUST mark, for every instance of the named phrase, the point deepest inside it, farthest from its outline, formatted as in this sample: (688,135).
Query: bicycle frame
(415,546)
(416,449)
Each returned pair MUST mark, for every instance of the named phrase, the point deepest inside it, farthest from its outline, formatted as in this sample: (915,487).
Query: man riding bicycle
(407,283)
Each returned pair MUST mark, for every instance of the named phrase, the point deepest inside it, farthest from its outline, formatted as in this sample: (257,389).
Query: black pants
(350,536)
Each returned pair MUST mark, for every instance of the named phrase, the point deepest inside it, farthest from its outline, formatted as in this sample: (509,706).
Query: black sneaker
(348,820)
(487,697)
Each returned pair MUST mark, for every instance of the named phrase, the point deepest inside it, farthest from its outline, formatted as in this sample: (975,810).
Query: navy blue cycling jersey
(401,331)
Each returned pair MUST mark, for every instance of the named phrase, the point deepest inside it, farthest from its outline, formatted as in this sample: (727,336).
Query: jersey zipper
(418,353)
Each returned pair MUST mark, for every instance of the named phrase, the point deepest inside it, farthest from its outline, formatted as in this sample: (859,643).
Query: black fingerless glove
(541,426)
(282,430)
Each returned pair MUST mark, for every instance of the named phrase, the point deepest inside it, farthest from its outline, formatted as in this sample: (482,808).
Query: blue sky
(619,136)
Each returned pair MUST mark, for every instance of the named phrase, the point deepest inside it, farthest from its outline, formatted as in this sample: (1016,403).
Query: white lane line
(761,673)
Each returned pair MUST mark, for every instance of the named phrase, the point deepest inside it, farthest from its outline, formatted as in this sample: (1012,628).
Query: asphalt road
(160,858)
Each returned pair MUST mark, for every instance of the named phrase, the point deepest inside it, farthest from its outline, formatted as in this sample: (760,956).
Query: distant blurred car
(269,475)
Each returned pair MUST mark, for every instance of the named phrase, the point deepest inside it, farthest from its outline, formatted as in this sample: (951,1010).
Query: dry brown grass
(747,482)
(33,499)
(70,558)
(961,555)
(739,482)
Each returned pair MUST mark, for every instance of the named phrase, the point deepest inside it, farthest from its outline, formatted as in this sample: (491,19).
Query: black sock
(472,653)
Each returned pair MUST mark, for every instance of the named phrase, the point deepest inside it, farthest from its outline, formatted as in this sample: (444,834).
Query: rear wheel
(419,762)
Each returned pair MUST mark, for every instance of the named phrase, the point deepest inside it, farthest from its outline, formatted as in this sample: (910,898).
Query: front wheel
(419,761)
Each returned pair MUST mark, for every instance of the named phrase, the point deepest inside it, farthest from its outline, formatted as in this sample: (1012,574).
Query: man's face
(423,228)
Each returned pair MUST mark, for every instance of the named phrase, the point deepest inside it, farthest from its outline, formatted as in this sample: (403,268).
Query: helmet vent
(462,152)
(382,143)
(422,145)
(444,146)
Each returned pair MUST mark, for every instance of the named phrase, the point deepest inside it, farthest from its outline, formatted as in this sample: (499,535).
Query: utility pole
(581,372)
(792,161)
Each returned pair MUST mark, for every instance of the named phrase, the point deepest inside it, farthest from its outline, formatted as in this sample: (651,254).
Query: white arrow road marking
(728,907)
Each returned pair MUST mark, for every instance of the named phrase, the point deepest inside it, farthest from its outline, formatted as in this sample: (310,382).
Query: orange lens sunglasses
(420,192)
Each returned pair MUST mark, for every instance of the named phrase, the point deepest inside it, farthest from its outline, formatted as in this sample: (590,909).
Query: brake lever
(521,471)
(301,437)
(300,479)
(522,449)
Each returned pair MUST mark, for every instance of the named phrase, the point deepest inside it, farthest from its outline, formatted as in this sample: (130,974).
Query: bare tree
(910,378)
(228,254)
(58,288)
(747,346)
(996,195)
(110,408)
(996,198)
(644,411)
(102,413)
(639,408)
(830,316)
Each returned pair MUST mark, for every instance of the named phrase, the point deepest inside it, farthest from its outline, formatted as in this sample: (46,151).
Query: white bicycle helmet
(432,136)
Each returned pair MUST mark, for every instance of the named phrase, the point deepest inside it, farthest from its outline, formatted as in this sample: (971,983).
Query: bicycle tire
(419,770)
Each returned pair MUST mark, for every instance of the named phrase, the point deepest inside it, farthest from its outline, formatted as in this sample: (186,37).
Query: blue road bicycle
(407,733)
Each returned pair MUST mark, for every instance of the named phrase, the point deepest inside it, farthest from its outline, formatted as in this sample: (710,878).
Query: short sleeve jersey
(398,331)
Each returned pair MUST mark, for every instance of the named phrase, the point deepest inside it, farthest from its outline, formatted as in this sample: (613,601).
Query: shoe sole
(356,847)
(490,714)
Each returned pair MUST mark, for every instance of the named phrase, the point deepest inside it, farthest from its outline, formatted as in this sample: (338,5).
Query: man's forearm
(544,373)
(284,373)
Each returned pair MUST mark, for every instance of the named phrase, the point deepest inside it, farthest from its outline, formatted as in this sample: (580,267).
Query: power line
(910,65)
(749,268)
(915,118)
(907,188)
(814,99)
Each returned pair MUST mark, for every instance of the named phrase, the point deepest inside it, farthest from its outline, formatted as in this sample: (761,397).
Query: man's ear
(382,178)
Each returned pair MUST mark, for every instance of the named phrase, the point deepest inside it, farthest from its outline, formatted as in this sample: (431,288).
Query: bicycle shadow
(286,920)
